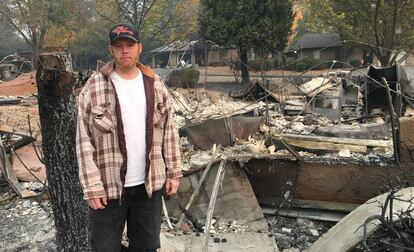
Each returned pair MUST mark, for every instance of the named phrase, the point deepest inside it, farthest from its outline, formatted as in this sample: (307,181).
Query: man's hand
(97,203)
(171,186)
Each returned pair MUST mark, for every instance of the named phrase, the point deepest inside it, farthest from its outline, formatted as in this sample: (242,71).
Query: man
(127,147)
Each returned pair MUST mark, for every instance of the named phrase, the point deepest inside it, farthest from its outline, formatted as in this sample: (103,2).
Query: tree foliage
(184,24)
(261,25)
(10,42)
(64,30)
(385,24)
(150,17)
(81,26)
(30,19)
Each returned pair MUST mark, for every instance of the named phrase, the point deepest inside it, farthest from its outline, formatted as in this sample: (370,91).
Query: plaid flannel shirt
(100,140)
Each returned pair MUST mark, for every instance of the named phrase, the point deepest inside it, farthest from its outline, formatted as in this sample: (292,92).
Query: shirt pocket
(102,120)
(160,113)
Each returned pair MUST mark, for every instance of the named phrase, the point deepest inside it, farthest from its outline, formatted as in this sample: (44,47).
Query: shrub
(265,65)
(185,78)
(307,63)
(311,63)
(355,63)
(300,66)
(337,65)
(256,65)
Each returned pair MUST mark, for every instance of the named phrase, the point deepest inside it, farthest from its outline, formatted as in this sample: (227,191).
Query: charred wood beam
(196,224)
(364,117)
(243,157)
(291,150)
(337,140)
(10,101)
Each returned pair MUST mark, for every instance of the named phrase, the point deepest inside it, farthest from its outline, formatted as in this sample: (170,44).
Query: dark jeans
(143,217)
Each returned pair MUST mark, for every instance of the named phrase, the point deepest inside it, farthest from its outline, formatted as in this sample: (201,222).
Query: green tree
(185,24)
(261,25)
(30,19)
(385,24)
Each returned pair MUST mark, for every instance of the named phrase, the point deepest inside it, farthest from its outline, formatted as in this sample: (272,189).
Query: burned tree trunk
(57,111)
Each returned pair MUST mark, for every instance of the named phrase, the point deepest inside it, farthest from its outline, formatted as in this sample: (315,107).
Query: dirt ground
(15,116)
(23,85)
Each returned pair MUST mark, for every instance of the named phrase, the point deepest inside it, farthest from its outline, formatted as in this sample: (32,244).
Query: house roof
(176,46)
(316,40)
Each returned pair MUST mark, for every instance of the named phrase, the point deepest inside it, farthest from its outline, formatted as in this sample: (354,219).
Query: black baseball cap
(123,31)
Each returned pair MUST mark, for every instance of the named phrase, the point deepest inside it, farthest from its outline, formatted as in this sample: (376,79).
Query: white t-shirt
(131,96)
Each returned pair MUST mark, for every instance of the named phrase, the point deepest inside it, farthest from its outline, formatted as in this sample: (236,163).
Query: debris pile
(330,122)
(296,232)
(217,227)
(261,139)
(326,121)
(13,65)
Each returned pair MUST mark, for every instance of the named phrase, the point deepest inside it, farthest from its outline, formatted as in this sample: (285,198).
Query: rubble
(323,123)
(34,186)
(295,233)
(317,85)
(217,110)
(13,65)
(200,159)
(312,123)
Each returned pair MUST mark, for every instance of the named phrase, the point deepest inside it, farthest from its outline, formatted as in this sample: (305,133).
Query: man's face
(125,53)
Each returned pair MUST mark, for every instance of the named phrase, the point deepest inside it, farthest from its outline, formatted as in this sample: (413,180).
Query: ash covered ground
(24,223)
(27,225)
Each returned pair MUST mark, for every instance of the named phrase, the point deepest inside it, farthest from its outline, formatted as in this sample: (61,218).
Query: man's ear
(140,48)
(110,50)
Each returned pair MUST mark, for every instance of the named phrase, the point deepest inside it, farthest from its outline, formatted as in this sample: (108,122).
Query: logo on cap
(122,29)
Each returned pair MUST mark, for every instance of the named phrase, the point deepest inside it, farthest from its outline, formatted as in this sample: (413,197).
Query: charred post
(57,110)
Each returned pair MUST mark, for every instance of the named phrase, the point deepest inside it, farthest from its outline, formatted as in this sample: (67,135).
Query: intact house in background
(329,46)
(318,46)
(321,47)
(192,52)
